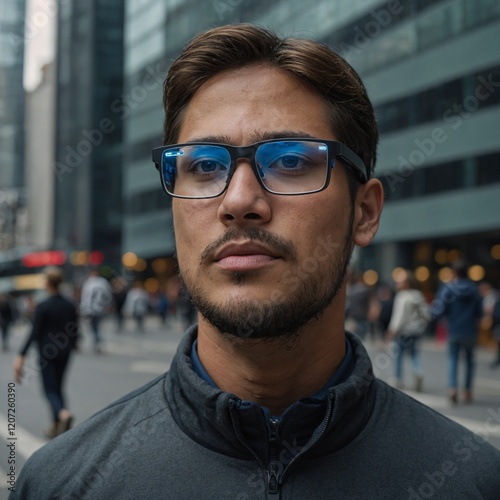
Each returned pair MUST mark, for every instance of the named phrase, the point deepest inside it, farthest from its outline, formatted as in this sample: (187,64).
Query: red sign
(96,258)
(41,259)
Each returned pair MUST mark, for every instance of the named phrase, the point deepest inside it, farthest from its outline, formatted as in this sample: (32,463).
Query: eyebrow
(256,137)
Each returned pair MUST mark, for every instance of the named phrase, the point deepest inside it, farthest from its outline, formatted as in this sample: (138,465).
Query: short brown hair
(230,47)
(54,277)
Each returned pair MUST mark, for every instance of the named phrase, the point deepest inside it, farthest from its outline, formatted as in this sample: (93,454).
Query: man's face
(257,264)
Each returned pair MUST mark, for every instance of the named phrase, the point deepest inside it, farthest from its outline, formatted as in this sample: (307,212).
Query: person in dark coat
(6,319)
(55,331)
(460,303)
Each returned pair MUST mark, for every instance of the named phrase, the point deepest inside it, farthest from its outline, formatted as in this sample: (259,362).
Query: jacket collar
(209,417)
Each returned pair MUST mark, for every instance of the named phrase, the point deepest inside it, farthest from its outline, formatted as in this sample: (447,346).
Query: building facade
(88,140)
(432,70)
(39,158)
(12,196)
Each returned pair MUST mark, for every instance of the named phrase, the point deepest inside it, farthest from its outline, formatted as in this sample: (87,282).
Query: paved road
(130,360)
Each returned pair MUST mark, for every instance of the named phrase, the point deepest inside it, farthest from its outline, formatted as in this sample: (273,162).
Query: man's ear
(367,211)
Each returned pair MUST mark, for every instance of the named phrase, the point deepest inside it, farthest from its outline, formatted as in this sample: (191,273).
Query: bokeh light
(151,285)
(422,273)
(476,273)
(399,274)
(370,277)
(129,259)
(495,252)
(445,274)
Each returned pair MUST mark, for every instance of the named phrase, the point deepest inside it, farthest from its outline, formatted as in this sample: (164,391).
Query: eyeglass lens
(283,166)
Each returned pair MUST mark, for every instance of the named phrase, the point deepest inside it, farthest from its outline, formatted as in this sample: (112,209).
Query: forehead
(249,103)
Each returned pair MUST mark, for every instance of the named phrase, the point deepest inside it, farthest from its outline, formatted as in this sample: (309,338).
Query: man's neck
(274,374)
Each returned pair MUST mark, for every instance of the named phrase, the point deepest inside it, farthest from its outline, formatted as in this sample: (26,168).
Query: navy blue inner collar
(340,375)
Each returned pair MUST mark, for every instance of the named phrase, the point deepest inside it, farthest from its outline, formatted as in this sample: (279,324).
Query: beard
(282,317)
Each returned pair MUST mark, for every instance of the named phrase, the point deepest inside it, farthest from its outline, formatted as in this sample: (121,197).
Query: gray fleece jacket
(179,438)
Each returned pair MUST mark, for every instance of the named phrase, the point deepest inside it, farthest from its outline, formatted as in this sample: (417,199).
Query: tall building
(39,159)
(88,142)
(11,93)
(432,70)
(12,43)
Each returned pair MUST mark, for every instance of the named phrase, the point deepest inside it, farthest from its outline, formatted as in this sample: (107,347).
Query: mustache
(271,240)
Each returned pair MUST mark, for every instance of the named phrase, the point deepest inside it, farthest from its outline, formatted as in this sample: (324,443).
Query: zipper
(273,483)
(274,479)
(318,437)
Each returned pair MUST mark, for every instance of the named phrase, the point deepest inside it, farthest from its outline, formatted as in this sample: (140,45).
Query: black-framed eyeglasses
(282,166)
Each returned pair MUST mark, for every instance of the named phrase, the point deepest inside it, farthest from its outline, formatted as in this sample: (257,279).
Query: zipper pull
(273,487)
(273,427)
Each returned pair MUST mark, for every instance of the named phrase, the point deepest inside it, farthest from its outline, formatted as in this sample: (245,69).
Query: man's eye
(206,166)
(289,161)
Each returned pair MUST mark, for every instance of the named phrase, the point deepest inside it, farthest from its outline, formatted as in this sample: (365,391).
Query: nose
(245,200)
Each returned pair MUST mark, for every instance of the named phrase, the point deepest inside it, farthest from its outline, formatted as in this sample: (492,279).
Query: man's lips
(244,256)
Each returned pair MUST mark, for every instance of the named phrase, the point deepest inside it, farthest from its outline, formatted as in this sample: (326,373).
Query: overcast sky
(39,39)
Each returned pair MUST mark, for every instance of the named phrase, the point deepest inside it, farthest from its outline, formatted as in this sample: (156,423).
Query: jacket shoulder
(73,460)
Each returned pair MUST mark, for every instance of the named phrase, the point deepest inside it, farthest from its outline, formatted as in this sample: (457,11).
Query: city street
(130,359)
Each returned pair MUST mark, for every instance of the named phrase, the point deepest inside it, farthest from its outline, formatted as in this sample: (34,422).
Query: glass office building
(432,70)
(88,149)
(12,43)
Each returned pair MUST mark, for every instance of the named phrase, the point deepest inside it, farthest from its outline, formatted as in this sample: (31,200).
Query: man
(267,397)
(55,331)
(96,298)
(459,301)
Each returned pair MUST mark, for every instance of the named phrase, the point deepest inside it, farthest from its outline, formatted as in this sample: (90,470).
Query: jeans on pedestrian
(362,328)
(407,343)
(4,327)
(454,349)
(52,378)
(94,325)
(139,320)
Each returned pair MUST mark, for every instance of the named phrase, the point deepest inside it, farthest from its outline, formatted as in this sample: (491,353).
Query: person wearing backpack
(460,302)
(408,323)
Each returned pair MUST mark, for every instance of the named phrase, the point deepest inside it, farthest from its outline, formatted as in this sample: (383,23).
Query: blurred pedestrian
(6,319)
(55,331)
(460,303)
(385,300)
(359,298)
(162,305)
(96,299)
(185,308)
(137,304)
(495,328)
(27,308)
(409,319)
(119,291)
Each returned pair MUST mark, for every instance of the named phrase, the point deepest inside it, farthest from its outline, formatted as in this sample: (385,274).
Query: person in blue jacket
(460,303)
